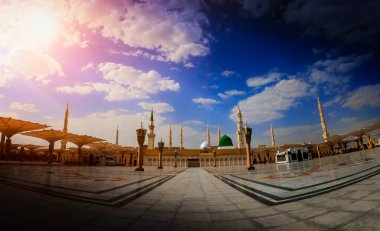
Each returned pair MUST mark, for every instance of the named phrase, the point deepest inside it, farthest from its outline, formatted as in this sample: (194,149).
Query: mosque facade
(226,153)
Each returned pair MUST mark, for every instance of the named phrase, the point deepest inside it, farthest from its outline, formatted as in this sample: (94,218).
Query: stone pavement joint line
(348,170)
(114,196)
(194,198)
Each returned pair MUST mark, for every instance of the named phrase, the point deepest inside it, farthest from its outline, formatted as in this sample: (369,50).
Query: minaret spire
(272,135)
(208,135)
(181,138)
(65,123)
(239,132)
(325,134)
(219,134)
(117,136)
(170,137)
(151,134)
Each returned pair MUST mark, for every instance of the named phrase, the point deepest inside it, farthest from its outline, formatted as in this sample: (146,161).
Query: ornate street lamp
(160,149)
(141,132)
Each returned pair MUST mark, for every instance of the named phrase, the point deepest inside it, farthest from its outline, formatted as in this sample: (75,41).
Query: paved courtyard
(339,192)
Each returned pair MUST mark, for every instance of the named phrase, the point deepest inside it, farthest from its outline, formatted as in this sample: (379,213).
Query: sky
(192,62)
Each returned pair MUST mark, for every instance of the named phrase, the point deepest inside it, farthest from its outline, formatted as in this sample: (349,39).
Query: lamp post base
(139,169)
(160,167)
(251,168)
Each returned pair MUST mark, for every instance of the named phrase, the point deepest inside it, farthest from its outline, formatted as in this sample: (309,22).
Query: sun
(37,29)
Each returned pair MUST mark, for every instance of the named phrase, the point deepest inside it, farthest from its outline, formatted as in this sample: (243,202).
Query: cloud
(263,80)
(1,96)
(363,96)
(272,101)
(231,93)
(125,83)
(324,18)
(139,53)
(337,100)
(348,120)
(205,101)
(159,107)
(189,65)
(10,114)
(171,28)
(227,73)
(27,107)
(77,89)
(150,82)
(194,123)
(6,73)
(31,64)
(330,73)
(75,38)
(117,92)
(87,67)
(334,20)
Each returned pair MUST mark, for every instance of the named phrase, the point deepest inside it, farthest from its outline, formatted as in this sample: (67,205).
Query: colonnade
(204,161)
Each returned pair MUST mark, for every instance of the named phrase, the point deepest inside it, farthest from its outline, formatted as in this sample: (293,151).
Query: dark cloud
(350,21)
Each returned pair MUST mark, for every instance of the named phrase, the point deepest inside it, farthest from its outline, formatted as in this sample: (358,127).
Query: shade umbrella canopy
(32,147)
(15,146)
(338,138)
(81,140)
(373,127)
(9,127)
(358,133)
(102,145)
(44,150)
(50,135)
(127,149)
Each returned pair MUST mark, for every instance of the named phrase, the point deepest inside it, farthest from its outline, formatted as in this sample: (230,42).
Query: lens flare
(39,29)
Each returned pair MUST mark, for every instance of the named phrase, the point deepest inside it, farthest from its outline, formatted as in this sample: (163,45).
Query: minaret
(151,134)
(323,122)
(66,121)
(239,132)
(117,136)
(218,134)
(181,138)
(272,135)
(208,135)
(170,137)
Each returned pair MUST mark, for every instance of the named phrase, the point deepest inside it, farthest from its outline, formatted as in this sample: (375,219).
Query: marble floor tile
(117,198)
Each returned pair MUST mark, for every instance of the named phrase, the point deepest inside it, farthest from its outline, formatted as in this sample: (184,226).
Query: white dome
(204,145)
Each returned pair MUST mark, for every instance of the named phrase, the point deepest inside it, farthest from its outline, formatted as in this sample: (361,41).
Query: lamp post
(141,132)
(175,158)
(160,148)
(214,154)
(248,135)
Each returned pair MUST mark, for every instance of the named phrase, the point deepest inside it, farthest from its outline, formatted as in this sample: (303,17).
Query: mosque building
(226,153)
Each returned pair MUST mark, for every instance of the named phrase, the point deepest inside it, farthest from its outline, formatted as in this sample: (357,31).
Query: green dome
(225,141)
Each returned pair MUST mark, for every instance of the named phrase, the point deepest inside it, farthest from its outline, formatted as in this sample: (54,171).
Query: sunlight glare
(39,29)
